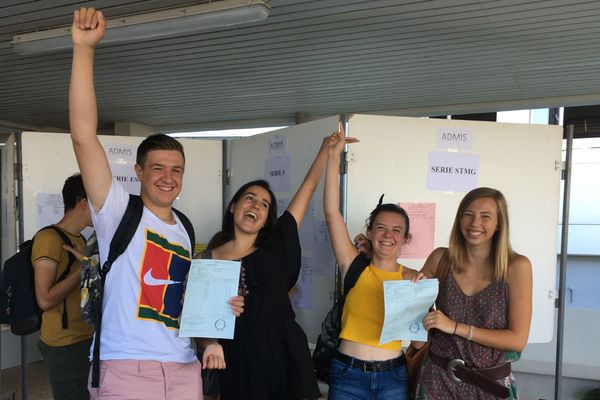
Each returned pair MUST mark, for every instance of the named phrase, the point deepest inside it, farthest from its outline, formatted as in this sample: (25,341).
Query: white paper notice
(278,172)
(406,304)
(210,285)
(302,292)
(452,172)
(126,176)
(120,153)
(324,258)
(307,229)
(121,158)
(277,145)
(455,138)
(50,209)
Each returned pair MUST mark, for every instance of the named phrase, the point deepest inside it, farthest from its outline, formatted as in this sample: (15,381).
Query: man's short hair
(73,191)
(160,141)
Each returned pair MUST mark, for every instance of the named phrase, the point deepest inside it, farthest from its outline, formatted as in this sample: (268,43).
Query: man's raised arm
(88,28)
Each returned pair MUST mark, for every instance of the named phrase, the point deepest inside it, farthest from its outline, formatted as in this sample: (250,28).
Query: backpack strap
(358,265)
(67,241)
(206,254)
(187,224)
(124,233)
(67,271)
(442,270)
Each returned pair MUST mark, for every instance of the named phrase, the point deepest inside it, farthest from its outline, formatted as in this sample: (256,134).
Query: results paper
(406,304)
(210,285)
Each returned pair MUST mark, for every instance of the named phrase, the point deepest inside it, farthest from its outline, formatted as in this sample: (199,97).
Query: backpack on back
(18,304)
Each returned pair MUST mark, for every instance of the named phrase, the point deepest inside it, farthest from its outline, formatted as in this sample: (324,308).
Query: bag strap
(67,271)
(206,253)
(356,268)
(124,233)
(442,269)
(67,241)
(187,224)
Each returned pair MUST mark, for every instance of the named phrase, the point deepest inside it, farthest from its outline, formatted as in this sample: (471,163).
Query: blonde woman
(484,308)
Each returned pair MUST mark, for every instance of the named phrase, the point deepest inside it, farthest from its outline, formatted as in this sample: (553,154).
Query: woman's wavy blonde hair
(502,252)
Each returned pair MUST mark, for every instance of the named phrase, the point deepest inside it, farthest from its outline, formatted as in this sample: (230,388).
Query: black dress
(269,359)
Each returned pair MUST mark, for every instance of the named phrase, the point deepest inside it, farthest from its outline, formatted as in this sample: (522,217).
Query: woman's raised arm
(343,247)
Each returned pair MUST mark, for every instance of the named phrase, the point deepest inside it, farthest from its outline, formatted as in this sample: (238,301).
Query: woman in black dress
(268,359)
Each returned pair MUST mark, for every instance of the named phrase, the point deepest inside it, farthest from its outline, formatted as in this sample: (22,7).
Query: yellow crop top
(362,318)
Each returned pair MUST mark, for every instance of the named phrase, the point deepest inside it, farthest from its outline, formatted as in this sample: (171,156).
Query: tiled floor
(38,386)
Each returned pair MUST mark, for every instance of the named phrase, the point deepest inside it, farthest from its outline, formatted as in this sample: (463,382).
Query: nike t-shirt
(144,288)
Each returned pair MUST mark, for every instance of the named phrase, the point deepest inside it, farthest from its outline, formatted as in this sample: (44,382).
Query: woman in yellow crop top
(362,369)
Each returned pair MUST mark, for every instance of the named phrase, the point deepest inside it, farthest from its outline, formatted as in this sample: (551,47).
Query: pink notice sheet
(422,230)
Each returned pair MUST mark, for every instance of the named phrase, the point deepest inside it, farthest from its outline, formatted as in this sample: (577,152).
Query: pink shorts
(147,380)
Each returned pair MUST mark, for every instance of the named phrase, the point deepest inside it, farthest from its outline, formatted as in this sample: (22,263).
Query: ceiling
(312,58)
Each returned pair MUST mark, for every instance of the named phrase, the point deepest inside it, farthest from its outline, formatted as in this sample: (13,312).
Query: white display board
(48,159)
(396,156)
(293,150)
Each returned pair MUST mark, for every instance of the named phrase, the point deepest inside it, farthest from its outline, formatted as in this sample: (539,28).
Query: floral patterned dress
(488,309)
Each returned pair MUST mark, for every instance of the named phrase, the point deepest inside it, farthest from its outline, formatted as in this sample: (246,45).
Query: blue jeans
(349,383)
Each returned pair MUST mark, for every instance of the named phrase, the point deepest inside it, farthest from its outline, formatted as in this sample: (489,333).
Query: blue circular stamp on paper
(220,324)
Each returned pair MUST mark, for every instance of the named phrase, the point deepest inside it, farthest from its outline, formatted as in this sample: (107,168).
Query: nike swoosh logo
(152,281)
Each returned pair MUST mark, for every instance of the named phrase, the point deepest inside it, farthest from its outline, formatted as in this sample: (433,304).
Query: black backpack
(329,339)
(123,235)
(18,304)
